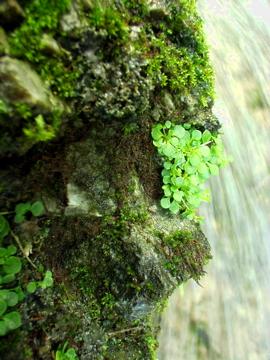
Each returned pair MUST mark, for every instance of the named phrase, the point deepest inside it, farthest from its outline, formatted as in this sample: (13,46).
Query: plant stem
(16,238)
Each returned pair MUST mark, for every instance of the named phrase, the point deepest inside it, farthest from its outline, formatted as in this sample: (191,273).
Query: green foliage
(4,228)
(21,210)
(10,266)
(189,158)
(42,16)
(178,60)
(111,21)
(185,255)
(66,354)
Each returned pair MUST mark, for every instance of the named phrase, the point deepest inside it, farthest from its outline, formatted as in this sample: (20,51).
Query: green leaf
(174,141)
(179,131)
(11,250)
(178,196)
(47,281)
(22,208)
(156,132)
(3,328)
(37,208)
(206,136)
(195,160)
(12,265)
(178,181)
(169,150)
(202,169)
(20,294)
(19,218)
(214,170)
(7,278)
(4,227)
(168,124)
(174,208)
(189,169)
(165,203)
(3,252)
(12,320)
(196,134)
(166,179)
(205,151)
(167,165)
(187,126)
(167,191)
(31,287)
(165,172)
(12,298)
(3,307)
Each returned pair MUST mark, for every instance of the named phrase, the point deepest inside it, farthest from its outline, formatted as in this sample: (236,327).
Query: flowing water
(228,318)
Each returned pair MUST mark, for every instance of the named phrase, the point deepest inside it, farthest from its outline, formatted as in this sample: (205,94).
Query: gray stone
(20,83)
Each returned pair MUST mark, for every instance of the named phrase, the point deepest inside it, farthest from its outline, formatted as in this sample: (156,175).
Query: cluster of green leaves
(189,158)
(10,266)
(21,210)
(64,353)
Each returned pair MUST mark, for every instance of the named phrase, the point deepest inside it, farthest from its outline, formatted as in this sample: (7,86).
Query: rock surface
(116,256)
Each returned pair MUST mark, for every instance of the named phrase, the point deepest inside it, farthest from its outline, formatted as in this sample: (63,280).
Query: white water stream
(228,318)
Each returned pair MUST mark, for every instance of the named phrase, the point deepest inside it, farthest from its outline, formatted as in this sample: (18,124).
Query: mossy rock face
(84,83)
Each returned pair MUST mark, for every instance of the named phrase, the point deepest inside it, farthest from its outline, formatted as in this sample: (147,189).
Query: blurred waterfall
(228,318)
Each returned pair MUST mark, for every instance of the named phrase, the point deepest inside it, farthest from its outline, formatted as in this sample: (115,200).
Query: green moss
(178,58)
(185,254)
(111,21)
(60,72)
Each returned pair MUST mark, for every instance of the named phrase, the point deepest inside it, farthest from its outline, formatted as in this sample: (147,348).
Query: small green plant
(66,354)
(11,265)
(21,210)
(189,158)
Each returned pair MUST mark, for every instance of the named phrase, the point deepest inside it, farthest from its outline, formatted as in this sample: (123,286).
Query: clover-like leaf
(174,207)
(195,160)
(156,132)
(22,208)
(165,203)
(19,218)
(3,307)
(7,278)
(179,131)
(178,195)
(169,150)
(206,136)
(47,281)
(196,134)
(12,265)
(31,287)
(37,208)
(12,320)
(12,298)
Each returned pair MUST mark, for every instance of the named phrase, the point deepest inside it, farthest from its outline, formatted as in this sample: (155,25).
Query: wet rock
(50,46)
(89,190)
(20,83)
